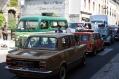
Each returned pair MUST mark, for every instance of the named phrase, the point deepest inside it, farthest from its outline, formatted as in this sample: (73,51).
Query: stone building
(73,10)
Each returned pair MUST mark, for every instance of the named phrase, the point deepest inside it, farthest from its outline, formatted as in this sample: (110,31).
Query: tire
(102,49)
(83,63)
(94,52)
(62,73)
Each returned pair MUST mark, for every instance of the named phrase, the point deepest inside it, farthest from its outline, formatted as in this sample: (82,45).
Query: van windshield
(97,22)
(27,25)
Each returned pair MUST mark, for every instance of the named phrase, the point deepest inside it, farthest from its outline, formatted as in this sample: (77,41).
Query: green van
(29,25)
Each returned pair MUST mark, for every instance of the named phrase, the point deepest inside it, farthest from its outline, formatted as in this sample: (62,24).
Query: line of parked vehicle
(45,55)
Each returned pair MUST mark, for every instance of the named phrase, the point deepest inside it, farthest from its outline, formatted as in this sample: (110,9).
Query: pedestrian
(59,29)
(5,32)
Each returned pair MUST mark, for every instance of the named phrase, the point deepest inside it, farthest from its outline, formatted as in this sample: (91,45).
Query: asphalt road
(93,64)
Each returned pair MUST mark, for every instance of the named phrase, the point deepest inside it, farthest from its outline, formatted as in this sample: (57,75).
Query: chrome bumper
(28,70)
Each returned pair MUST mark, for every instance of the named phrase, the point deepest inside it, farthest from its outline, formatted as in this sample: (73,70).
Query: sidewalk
(6,44)
(109,71)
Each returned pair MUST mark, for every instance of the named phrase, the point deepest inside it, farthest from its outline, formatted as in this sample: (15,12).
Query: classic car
(93,41)
(45,55)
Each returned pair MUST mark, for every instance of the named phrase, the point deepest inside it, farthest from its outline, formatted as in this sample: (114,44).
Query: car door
(96,43)
(67,49)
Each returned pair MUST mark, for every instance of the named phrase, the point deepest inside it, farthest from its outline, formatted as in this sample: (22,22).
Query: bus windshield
(27,25)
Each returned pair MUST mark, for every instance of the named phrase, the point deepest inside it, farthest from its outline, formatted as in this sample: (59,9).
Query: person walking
(5,32)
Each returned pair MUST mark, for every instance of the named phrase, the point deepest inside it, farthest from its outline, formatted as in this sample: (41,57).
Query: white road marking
(106,50)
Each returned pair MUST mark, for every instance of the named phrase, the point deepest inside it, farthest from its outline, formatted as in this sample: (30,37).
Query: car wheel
(62,72)
(84,60)
(94,52)
(102,48)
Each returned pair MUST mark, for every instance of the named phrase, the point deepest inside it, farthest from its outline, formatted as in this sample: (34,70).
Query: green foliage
(12,23)
(2,19)
(13,3)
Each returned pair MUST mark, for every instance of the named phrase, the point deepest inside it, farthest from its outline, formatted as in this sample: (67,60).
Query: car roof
(55,35)
(86,33)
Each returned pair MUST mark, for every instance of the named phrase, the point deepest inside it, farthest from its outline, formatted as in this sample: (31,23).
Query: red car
(93,41)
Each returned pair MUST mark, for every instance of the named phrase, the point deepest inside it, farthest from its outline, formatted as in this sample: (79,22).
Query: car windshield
(84,38)
(73,25)
(27,25)
(41,42)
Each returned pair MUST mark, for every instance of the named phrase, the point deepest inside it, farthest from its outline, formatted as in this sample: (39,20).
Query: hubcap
(62,73)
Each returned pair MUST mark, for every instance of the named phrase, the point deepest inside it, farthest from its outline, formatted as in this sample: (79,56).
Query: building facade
(99,7)
(73,10)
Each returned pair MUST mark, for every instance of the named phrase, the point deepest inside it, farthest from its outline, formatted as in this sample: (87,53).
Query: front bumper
(25,72)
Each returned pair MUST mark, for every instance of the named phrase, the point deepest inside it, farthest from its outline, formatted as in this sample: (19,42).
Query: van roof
(37,18)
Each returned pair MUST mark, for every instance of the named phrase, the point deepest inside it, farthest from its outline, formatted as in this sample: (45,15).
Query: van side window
(29,25)
(54,24)
(44,24)
(62,23)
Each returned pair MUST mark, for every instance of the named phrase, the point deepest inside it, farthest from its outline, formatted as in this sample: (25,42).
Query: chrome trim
(28,70)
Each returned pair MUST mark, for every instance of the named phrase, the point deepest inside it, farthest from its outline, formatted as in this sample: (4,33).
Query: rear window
(84,38)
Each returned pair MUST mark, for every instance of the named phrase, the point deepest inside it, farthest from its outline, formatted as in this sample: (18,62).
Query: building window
(102,9)
(84,3)
(107,10)
(89,4)
(99,8)
(110,11)
(93,6)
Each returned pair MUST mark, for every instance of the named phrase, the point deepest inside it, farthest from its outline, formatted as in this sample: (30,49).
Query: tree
(2,19)
(12,23)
